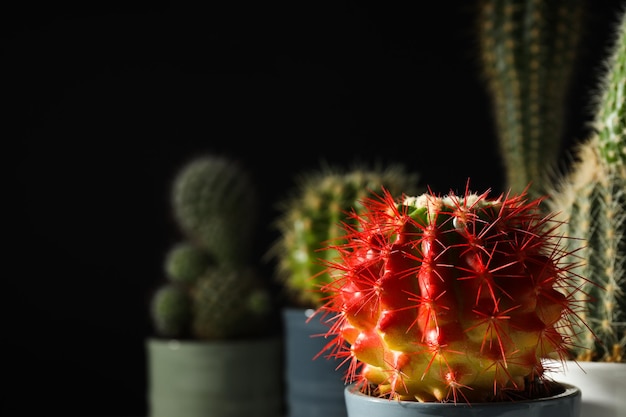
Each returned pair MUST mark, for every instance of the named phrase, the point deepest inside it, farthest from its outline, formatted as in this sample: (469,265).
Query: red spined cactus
(453,298)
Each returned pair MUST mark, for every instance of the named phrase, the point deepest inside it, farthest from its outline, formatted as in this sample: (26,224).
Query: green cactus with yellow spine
(313,215)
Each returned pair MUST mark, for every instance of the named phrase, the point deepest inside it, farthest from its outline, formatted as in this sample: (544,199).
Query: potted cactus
(445,305)
(212,312)
(311,216)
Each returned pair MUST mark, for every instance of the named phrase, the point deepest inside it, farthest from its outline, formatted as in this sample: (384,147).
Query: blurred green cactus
(213,289)
(213,200)
(527,54)
(591,198)
(312,216)
(219,315)
(171,310)
(185,262)
(610,119)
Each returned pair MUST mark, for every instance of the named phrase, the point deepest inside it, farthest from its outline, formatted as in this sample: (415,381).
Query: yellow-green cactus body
(313,216)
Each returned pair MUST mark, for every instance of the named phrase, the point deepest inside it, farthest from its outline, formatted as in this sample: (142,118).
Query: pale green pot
(214,379)
(566,404)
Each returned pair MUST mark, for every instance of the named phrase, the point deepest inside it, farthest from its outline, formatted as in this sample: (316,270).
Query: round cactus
(453,298)
(313,216)
(185,262)
(171,311)
(214,203)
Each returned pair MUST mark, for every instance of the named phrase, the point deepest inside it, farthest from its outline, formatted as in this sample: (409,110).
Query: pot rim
(569,392)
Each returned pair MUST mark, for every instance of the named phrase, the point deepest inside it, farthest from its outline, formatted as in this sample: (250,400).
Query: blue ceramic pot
(567,404)
(314,387)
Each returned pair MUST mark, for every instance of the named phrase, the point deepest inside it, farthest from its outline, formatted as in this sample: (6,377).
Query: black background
(103,103)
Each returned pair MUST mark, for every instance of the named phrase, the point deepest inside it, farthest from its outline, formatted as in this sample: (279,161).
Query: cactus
(185,262)
(591,198)
(453,298)
(213,200)
(219,315)
(527,55)
(212,290)
(313,215)
(171,310)
(610,118)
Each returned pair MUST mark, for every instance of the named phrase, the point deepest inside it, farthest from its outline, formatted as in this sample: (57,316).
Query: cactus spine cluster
(527,51)
(213,290)
(313,215)
(592,200)
(453,298)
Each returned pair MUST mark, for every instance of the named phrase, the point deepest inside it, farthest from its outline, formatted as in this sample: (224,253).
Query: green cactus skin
(213,290)
(229,303)
(610,119)
(221,303)
(527,55)
(454,298)
(591,199)
(214,202)
(312,216)
(185,262)
(592,202)
(219,315)
(171,311)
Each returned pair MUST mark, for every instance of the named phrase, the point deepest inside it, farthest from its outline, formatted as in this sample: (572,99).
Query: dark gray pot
(567,404)
(215,379)
(314,388)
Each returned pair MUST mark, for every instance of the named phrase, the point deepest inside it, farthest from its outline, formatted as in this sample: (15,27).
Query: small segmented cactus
(209,302)
(527,55)
(591,198)
(212,199)
(454,298)
(212,290)
(313,215)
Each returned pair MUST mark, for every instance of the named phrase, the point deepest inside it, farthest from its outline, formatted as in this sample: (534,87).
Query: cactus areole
(450,298)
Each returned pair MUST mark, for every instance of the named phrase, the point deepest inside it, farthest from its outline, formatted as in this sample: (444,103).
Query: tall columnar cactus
(592,200)
(610,118)
(213,290)
(527,54)
(453,298)
(313,215)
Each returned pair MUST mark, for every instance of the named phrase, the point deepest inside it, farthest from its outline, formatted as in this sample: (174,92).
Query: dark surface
(105,104)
